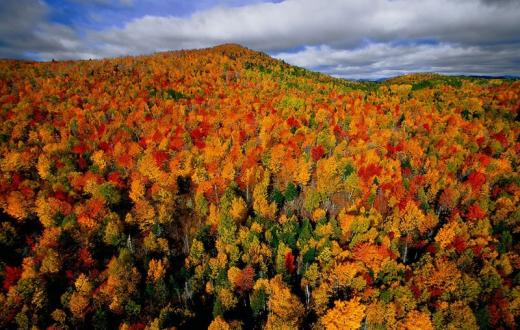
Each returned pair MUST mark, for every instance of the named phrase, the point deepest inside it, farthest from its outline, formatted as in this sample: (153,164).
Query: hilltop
(221,187)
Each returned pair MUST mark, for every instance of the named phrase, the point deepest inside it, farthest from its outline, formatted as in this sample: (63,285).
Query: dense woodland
(222,188)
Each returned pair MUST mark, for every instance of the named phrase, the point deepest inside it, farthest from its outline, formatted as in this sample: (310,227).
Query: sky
(353,39)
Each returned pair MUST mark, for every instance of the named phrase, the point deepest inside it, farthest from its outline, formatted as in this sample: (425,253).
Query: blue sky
(102,14)
(356,39)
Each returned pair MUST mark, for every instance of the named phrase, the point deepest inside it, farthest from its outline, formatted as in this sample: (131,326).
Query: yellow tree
(80,299)
(327,175)
(219,324)
(416,320)
(285,309)
(345,315)
(303,171)
(260,203)
(238,209)
(122,281)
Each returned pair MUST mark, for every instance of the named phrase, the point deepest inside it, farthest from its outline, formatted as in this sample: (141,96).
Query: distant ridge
(234,49)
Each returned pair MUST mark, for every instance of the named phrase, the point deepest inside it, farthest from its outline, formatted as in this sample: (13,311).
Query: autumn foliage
(222,188)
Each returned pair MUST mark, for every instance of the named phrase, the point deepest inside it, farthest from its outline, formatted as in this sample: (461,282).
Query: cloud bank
(351,39)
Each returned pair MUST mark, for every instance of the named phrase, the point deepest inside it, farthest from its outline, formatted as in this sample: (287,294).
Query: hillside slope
(223,188)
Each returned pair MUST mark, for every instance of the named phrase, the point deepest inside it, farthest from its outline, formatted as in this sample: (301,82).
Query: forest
(220,188)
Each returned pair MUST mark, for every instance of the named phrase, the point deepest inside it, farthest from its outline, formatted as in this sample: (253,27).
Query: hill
(223,188)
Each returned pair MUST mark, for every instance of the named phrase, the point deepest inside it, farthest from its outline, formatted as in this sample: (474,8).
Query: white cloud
(24,29)
(292,23)
(386,60)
